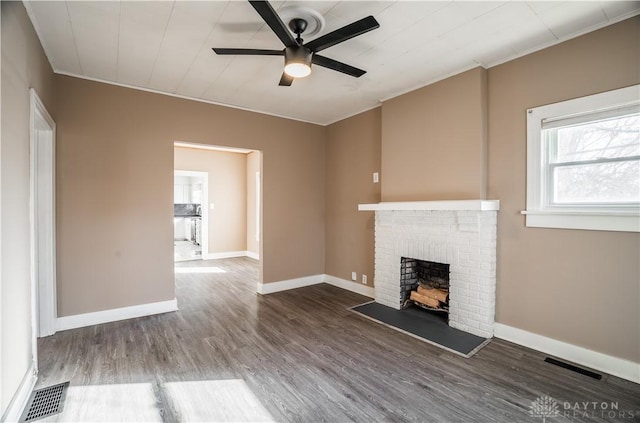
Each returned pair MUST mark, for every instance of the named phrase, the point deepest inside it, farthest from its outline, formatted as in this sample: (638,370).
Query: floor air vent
(45,402)
(573,368)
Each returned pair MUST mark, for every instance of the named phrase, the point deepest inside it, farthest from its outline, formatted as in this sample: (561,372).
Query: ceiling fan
(299,56)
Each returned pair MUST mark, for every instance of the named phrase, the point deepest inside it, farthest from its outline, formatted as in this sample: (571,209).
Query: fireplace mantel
(472,205)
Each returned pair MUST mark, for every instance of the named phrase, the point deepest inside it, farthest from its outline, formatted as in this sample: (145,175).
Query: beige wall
(24,65)
(434,141)
(115,190)
(353,154)
(227,192)
(253,166)
(550,281)
(115,170)
(580,287)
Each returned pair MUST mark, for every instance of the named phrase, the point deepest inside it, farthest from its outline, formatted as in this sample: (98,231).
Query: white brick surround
(464,239)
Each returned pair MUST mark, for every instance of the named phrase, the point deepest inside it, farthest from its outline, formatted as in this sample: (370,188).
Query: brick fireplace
(459,234)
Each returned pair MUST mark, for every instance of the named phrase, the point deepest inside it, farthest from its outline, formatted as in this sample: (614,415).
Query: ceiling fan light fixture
(297,62)
(297,70)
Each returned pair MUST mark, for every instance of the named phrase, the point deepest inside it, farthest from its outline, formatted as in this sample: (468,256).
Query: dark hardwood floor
(300,355)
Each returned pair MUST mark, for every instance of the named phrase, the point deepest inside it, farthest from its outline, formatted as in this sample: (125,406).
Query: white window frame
(540,213)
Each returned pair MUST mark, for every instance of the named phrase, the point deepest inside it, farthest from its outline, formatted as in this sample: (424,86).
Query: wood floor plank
(230,354)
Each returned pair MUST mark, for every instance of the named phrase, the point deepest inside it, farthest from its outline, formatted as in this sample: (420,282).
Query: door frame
(204,205)
(42,146)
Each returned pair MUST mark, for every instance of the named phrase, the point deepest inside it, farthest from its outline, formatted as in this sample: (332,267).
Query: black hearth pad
(429,327)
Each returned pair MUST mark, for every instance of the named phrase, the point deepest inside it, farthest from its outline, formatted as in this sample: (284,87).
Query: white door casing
(42,218)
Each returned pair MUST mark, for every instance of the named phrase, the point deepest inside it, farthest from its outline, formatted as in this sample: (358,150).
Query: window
(583,163)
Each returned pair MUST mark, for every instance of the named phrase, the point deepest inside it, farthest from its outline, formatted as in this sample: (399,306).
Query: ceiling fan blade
(286,80)
(248,51)
(343,34)
(337,66)
(272,19)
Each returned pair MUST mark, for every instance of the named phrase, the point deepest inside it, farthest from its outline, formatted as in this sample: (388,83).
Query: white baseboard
(19,401)
(365,290)
(113,315)
(615,366)
(231,254)
(270,288)
(225,254)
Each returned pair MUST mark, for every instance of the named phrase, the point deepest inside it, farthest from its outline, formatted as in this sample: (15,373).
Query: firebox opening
(424,284)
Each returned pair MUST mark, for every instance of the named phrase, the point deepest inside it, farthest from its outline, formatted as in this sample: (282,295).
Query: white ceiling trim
(433,81)
(34,22)
(607,22)
(184,97)
(508,59)
(350,115)
(565,38)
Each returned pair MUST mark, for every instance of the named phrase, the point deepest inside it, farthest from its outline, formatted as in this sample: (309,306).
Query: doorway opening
(190,215)
(229,206)
(42,218)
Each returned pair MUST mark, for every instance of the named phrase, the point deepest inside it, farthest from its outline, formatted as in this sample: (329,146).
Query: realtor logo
(544,407)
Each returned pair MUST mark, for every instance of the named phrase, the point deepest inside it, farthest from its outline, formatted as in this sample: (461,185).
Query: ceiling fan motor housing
(299,54)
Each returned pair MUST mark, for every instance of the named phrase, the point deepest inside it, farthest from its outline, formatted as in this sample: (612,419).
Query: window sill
(617,221)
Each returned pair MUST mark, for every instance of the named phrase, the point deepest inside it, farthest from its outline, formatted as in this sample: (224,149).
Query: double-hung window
(583,163)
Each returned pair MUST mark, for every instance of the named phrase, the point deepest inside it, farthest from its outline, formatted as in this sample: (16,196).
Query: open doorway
(233,197)
(190,215)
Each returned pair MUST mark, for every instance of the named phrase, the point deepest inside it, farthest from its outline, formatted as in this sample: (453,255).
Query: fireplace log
(431,302)
(436,294)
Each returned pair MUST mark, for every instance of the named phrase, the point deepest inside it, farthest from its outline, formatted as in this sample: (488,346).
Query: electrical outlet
(376,177)
(364,279)
(354,276)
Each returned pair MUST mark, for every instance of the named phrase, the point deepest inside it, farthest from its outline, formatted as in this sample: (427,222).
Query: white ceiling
(166,46)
